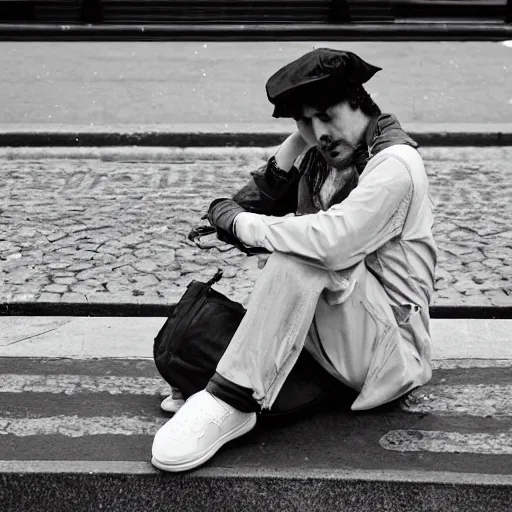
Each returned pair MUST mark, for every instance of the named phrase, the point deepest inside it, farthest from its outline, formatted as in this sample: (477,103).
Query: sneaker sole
(191,464)
(174,406)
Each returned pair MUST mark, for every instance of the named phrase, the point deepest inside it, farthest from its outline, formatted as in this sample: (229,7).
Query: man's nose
(320,131)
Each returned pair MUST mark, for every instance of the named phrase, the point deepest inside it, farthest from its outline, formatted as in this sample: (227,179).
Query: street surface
(58,409)
(113,228)
(95,84)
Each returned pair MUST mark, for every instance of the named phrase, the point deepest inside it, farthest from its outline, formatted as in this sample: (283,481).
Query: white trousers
(339,317)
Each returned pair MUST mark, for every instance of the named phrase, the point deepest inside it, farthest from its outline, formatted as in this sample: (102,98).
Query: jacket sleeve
(344,235)
(269,192)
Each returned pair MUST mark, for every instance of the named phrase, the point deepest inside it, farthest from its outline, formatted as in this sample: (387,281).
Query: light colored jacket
(387,222)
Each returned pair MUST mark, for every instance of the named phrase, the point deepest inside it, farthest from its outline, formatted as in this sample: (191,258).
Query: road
(162,83)
(108,410)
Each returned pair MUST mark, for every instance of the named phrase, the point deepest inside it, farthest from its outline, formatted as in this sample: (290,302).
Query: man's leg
(338,317)
(254,367)
(271,336)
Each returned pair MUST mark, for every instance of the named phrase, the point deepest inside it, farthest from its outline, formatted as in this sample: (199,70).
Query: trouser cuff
(239,397)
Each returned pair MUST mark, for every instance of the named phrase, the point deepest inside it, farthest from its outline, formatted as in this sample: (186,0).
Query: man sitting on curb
(351,272)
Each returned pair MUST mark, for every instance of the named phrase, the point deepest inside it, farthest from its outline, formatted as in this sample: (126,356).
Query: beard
(339,154)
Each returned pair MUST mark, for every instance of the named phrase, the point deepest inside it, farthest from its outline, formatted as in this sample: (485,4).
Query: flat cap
(319,64)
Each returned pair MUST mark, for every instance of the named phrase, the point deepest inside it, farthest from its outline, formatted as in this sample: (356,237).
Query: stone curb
(131,486)
(492,135)
(187,155)
(140,309)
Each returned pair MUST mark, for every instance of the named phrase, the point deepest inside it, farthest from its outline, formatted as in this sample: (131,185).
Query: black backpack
(190,344)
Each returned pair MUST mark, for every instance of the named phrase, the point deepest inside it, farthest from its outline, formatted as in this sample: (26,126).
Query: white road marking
(473,400)
(75,384)
(486,400)
(448,442)
(456,364)
(75,426)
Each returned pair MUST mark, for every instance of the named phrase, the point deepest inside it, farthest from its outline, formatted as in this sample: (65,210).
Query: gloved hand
(251,228)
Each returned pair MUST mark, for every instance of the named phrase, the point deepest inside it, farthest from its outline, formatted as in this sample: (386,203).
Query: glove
(251,228)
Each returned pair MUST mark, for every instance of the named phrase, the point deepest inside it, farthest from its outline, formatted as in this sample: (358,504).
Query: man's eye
(324,118)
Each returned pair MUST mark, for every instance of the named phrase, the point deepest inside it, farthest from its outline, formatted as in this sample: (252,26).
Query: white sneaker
(197,431)
(174,401)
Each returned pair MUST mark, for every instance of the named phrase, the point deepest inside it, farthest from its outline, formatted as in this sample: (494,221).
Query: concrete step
(80,404)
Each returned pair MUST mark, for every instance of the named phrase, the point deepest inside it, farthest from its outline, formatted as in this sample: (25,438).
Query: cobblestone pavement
(106,230)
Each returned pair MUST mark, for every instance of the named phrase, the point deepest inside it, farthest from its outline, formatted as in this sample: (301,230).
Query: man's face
(333,130)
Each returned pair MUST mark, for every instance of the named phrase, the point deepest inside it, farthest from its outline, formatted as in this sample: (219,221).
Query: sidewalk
(110,225)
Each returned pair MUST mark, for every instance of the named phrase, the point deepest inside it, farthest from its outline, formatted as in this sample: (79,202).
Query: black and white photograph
(255,255)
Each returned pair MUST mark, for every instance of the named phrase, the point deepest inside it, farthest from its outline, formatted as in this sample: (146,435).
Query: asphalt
(79,431)
(132,84)
(102,422)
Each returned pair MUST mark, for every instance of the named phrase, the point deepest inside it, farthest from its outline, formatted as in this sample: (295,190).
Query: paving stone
(64,280)
(55,288)
(145,281)
(67,251)
(98,296)
(61,274)
(503,253)
(26,232)
(145,265)
(21,276)
(7,247)
(105,258)
(80,266)
(83,255)
(127,270)
(72,298)
(168,275)
(166,243)
(90,273)
(85,289)
(498,298)
(473,266)
(116,286)
(167,261)
(49,297)
(77,228)
(144,253)
(493,263)
(459,250)
(55,237)
(87,246)
(25,297)
(59,265)
(442,284)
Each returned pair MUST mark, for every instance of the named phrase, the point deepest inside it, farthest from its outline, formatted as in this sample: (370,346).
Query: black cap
(313,67)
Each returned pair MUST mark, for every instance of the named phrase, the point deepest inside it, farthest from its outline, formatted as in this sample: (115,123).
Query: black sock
(237,396)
